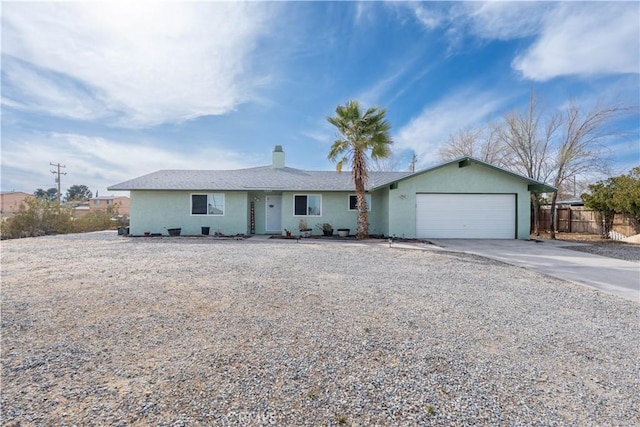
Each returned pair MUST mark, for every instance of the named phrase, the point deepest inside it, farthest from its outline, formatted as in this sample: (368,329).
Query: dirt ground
(597,245)
(99,329)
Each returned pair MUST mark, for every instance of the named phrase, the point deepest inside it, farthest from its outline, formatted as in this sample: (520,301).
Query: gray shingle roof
(285,179)
(260,178)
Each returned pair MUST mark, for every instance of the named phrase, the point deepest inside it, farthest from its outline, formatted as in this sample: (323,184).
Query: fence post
(570,215)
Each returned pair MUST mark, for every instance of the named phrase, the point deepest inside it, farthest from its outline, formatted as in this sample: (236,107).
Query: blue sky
(117,90)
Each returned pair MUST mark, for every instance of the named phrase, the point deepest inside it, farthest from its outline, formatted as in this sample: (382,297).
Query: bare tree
(386,164)
(529,145)
(556,147)
(580,148)
(481,143)
(573,188)
(460,144)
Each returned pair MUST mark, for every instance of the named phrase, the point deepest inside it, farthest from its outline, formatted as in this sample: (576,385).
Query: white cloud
(364,12)
(583,39)
(428,17)
(569,38)
(372,95)
(29,89)
(99,162)
(501,20)
(487,20)
(319,135)
(426,133)
(149,62)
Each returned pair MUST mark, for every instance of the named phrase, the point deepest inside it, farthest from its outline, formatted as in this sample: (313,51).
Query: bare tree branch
(481,143)
(580,148)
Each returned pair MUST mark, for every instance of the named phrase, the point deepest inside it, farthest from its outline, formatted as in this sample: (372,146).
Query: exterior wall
(102,204)
(10,202)
(157,211)
(335,210)
(474,178)
(379,216)
(259,201)
(80,211)
(393,211)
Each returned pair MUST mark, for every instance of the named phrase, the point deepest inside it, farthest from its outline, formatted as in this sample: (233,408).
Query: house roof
(108,197)
(286,179)
(260,178)
(6,193)
(535,186)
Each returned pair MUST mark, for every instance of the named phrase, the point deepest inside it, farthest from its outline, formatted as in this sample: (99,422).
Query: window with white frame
(207,204)
(353,202)
(307,205)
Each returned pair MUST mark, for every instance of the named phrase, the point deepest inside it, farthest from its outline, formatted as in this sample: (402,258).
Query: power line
(57,172)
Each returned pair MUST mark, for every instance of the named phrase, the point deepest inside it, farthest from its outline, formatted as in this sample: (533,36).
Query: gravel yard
(99,329)
(598,246)
(611,249)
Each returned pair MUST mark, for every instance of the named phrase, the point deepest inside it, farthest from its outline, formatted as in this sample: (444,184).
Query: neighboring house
(10,202)
(103,203)
(80,210)
(96,204)
(463,198)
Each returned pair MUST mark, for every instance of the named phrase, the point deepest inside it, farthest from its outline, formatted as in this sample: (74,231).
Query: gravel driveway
(105,330)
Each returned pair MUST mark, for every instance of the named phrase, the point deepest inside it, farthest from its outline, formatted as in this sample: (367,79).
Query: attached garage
(466,216)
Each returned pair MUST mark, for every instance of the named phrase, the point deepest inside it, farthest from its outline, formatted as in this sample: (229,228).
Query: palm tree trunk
(359,178)
(363,226)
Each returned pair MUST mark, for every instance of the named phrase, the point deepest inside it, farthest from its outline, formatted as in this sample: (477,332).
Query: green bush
(95,221)
(38,217)
(620,194)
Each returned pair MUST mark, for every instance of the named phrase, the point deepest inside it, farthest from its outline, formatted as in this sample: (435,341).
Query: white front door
(274,214)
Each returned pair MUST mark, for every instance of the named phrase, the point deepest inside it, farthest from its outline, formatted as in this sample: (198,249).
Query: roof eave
(533,185)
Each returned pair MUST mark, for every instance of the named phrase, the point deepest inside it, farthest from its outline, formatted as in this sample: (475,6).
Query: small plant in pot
(343,232)
(326,228)
(305,231)
(174,231)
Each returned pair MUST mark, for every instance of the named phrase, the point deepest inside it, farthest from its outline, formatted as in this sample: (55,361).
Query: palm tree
(359,134)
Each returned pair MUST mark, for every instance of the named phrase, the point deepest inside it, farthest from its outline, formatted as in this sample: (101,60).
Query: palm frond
(358,135)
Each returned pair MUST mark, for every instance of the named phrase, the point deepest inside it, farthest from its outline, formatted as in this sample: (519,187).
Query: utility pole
(58,173)
(414,160)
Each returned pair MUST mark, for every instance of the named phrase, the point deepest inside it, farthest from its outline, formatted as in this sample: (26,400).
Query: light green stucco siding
(335,210)
(392,211)
(475,178)
(157,211)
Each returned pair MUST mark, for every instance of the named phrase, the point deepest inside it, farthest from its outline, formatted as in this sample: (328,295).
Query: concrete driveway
(614,276)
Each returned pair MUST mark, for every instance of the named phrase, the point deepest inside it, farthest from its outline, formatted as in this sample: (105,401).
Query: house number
(270,206)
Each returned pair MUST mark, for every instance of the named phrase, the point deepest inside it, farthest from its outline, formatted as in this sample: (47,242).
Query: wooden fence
(578,219)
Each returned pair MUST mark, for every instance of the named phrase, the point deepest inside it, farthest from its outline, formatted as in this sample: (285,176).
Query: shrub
(38,217)
(95,221)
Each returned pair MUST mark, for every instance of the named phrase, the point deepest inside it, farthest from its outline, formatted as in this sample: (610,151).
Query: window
(307,205)
(207,204)
(353,202)
(109,202)
(96,202)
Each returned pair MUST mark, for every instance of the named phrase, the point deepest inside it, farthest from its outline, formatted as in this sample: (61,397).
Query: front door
(274,214)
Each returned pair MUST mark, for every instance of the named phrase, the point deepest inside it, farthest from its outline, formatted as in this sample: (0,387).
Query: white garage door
(466,216)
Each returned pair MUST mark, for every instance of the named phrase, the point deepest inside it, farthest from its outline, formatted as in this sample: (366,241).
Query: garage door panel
(470,216)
